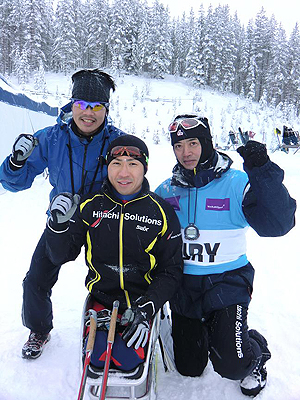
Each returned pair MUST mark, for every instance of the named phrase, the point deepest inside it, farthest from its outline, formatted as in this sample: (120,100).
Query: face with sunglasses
(125,169)
(88,116)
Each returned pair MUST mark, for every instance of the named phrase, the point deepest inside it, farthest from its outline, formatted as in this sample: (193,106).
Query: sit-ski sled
(137,384)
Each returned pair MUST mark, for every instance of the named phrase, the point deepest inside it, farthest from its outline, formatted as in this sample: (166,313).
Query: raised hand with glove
(137,321)
(62,209)
(254,154)
(22,148)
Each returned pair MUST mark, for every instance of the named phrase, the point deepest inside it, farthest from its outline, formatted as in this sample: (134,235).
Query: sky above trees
(286,12)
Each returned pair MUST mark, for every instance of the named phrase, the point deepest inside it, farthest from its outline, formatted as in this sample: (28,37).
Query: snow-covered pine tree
(292,62)
(261,48)
(97,54)
(33,18)
(158,44)
(23,69)
(195,58)
(66,47)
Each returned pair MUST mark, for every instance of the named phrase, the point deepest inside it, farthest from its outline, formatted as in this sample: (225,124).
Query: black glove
(62,208)
(22,148)
(137,321)
(254,154)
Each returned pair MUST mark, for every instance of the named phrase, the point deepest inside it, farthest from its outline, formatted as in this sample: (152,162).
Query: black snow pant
(224,338)
(37,288)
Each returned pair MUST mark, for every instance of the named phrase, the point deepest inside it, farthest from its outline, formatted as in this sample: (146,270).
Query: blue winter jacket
(224,208)
(217,273)
(68,157)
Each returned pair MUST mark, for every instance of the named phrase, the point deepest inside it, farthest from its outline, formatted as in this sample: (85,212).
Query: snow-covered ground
(143,107)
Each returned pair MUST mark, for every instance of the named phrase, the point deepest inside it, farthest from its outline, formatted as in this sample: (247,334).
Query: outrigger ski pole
(110,341)
(88,351)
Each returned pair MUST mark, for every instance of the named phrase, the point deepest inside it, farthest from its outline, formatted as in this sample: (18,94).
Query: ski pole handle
(92,332)
(113,321)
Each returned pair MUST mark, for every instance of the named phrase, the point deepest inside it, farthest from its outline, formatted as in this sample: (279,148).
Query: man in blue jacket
(72,151)
(215,205)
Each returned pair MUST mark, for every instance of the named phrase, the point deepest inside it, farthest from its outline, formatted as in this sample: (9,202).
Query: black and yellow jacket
(131,249)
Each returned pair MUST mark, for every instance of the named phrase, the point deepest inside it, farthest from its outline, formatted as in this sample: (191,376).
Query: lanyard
(84,173)
(191,232)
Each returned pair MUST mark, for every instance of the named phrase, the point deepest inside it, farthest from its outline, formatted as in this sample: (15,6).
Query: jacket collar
(204,173)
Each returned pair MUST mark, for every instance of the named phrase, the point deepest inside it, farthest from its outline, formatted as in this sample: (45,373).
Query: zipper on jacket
(121,258)
(121,249)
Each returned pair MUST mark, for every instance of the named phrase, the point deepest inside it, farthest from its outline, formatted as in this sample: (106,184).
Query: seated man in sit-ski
(132,242)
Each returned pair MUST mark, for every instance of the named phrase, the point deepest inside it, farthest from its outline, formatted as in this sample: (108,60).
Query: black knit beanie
(129,140)
(201,132)
(92,85)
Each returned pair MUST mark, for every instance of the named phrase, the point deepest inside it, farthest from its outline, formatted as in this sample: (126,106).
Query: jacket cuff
(146,305)
(57,228)
(14,164)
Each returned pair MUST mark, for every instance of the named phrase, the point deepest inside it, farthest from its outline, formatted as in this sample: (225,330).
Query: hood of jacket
(65,115)
(204,173)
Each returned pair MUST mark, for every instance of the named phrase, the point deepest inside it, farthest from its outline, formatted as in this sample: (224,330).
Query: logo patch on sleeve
(218,204)
(174,201)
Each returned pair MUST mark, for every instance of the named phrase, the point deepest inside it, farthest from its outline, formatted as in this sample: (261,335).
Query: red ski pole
(88,351)
(110,341)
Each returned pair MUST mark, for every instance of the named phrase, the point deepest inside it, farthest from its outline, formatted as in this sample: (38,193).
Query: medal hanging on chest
(191,232)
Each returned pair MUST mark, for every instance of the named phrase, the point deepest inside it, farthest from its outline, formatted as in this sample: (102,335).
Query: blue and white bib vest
(218,215)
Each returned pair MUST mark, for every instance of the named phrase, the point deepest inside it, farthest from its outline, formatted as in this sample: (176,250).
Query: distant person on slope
(132,246)
(72,151)
(216,204)
(289,137)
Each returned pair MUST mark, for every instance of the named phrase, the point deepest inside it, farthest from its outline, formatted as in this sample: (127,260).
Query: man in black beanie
(92,85)
(90,100)
(126,144)
(73,152)
(199,129)
(133,249)
(215,205)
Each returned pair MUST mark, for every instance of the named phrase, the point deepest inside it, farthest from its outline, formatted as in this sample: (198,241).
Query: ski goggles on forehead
(186,123)
(95,106)
(129,151)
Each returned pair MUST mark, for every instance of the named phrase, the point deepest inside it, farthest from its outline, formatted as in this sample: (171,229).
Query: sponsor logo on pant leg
(239,332)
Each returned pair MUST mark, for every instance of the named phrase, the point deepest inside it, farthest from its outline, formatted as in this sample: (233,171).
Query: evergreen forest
(209,47)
